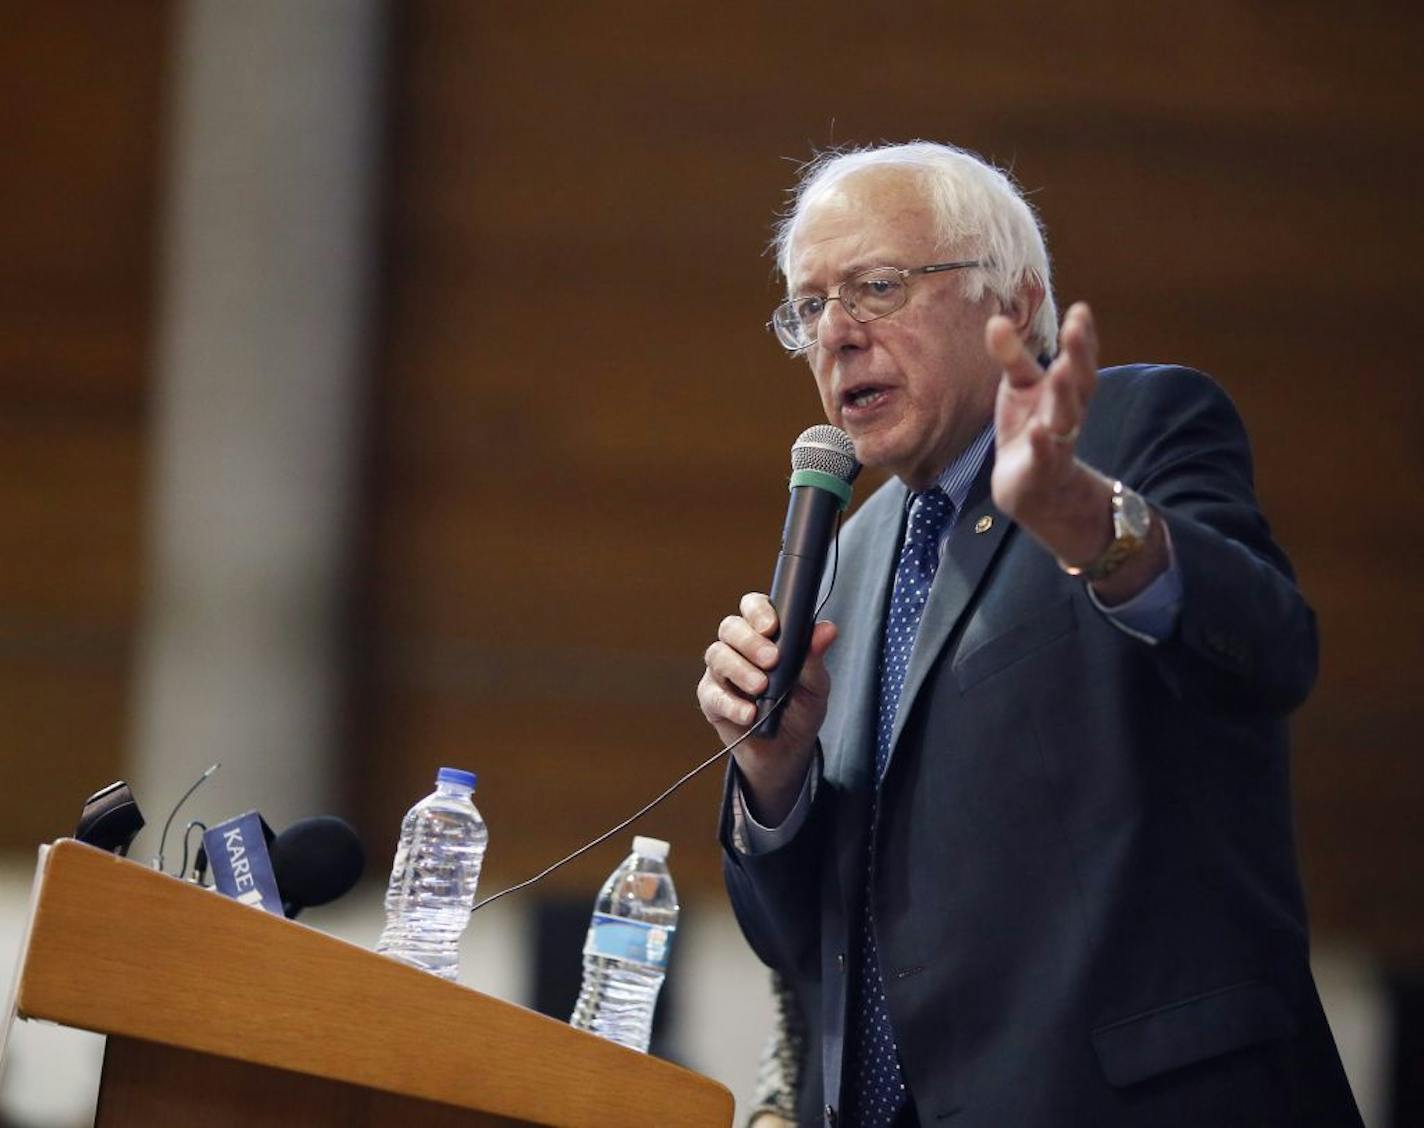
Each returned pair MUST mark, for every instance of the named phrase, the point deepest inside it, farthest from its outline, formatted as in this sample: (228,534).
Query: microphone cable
(200,859)
(707,763)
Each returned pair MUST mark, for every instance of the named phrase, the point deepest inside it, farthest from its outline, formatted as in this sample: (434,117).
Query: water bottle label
(632,940)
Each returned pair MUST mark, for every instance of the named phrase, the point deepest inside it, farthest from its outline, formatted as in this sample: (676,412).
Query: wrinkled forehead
(874,217)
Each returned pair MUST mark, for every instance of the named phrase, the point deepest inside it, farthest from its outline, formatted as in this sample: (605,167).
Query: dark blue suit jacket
(1086,890)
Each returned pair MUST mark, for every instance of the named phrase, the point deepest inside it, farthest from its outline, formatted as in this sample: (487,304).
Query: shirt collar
(959,475)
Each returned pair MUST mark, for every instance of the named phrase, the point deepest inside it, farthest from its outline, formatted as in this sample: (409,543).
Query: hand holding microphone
(773,647)
(739,668)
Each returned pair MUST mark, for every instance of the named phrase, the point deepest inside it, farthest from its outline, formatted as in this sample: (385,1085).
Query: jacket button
(840,966)
(830,1117)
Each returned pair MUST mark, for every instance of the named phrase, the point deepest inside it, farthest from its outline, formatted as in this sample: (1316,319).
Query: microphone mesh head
(827,449)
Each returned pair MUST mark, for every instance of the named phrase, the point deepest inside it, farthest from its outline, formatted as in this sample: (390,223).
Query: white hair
(980,211)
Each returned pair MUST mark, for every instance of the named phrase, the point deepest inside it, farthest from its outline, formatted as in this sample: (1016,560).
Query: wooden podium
(220,1014)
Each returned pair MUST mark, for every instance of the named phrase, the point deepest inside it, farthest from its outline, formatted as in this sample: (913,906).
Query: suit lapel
(979,531)
(856,687)
(856,683)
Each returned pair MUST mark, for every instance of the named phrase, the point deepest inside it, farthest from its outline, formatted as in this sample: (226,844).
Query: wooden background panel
(582,426)
(79,170)
(69,489)
(82,86)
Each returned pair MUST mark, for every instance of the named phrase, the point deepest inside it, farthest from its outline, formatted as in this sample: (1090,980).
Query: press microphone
(823,465)
(316,860)
(110,819)
(312,862)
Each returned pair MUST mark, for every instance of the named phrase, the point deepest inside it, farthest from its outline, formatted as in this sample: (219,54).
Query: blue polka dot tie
(876,1082)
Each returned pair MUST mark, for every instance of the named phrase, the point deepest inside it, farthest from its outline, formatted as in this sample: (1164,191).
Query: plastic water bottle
(432,889)
(625,954)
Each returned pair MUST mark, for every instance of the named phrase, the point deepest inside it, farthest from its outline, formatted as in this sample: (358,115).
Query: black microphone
(315,860)
(110,819)
(823,465)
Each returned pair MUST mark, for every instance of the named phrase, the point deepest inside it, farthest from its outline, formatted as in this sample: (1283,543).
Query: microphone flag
(241,865)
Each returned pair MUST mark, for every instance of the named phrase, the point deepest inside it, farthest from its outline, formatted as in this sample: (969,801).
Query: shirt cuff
(753,838)
(1151,615)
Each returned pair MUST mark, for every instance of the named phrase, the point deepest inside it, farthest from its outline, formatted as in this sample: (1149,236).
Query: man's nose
(837,327)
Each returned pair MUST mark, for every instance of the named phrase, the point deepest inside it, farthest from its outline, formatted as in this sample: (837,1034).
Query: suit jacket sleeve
(1246,640)
(776,894)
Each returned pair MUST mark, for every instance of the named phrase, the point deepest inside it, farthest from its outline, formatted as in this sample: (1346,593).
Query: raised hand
(1038,478)
(1038,415)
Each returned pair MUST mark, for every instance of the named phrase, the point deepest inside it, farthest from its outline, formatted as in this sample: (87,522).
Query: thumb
(822,635)
(813,674)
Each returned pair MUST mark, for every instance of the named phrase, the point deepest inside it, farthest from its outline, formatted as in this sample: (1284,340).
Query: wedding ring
(1065,439)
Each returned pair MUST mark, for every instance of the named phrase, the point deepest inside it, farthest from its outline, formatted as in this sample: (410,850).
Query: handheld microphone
(316,860)
(823,465)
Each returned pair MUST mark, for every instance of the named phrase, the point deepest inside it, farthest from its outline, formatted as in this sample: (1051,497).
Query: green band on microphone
(822,481)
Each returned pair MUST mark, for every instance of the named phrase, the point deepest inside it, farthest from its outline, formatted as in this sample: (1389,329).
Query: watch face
(1132,516)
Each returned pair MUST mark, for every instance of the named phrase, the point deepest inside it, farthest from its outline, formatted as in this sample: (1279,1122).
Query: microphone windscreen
(827,449)
(316,860)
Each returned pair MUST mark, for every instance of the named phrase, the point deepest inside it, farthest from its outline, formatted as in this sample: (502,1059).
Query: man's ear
(1024,306)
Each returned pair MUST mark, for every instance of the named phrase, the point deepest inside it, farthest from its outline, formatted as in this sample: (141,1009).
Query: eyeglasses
(867,296)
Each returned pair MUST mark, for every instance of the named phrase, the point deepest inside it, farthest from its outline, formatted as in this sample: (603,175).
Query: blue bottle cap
(457,776)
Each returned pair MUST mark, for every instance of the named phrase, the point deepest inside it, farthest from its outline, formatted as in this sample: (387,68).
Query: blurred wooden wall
(581,430)
(79,186)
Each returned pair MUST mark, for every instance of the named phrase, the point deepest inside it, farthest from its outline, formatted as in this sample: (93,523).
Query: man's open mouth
(866,395)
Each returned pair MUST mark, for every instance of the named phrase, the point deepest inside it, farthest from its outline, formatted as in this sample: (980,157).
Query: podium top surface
(117,948)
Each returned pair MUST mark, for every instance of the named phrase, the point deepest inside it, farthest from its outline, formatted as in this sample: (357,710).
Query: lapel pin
(984,524)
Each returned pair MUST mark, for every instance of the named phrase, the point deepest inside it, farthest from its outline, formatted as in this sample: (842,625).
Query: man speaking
(1022,844)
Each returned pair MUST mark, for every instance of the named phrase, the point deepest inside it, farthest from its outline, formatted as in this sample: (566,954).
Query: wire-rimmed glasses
(867,296)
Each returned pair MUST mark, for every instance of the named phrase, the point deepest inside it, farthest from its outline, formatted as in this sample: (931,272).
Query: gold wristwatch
(1132,521)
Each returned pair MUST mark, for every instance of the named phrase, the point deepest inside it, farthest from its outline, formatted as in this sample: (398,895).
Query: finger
(1057,414)
(1007,347)
(720,705)
(1079,342)
(822,635)
(758,610)
(1060,406)
(739,634)
(1080,322)
(814,677)
(729,667)
(737,710)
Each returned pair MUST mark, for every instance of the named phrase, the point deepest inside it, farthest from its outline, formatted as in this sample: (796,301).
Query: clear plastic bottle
(625,954)
(437,866)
